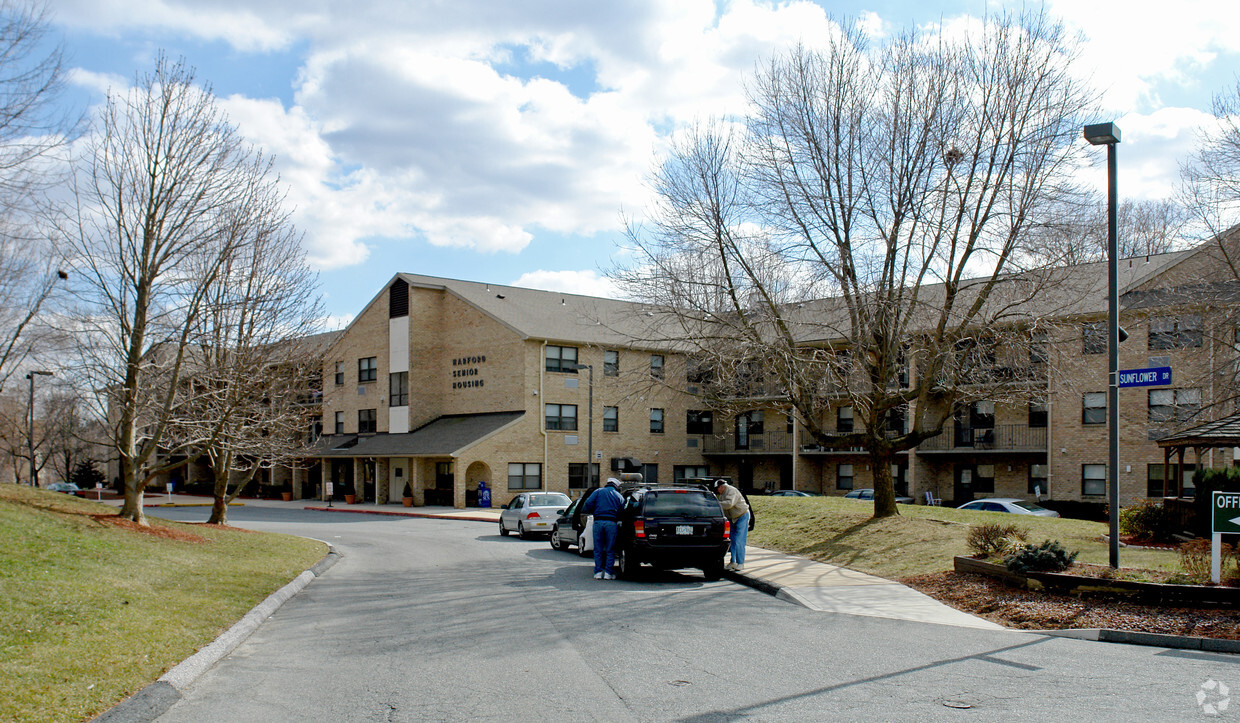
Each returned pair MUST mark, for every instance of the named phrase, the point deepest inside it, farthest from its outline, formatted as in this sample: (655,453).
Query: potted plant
(406,497)
(286,492)
(350,496)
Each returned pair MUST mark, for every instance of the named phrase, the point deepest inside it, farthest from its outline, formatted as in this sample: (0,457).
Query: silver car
(532,513)
(1008,504)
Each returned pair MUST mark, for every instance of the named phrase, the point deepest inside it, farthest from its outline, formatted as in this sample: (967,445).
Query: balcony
(765,443)
(1002,438)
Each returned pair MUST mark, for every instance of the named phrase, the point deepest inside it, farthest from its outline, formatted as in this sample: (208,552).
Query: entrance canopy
(443,437)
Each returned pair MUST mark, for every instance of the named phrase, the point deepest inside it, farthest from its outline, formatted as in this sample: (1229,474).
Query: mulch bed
(167,533)
(1036,610)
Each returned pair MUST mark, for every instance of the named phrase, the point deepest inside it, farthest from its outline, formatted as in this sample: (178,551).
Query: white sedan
(532,513)
(1008,504)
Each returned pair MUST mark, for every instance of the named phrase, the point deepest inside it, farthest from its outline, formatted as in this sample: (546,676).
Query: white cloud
(586,283)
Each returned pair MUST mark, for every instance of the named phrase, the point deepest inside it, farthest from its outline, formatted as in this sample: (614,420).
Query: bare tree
(164,183)
(1077,232)
(859,241)
(33,129)
(259,355)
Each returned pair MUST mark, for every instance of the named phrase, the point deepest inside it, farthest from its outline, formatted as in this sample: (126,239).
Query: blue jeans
(740,533)
(605,532)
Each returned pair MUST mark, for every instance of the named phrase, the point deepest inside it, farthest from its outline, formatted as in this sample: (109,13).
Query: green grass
(91,612)
(919,540)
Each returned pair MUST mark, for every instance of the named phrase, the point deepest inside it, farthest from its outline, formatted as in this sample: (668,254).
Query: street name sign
(1226,506)
(1152,377)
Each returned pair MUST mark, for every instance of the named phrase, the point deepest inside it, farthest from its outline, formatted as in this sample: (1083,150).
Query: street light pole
(1108,134)
(34,471)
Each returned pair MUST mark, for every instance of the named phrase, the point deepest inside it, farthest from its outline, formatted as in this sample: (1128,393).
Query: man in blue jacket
(605,505)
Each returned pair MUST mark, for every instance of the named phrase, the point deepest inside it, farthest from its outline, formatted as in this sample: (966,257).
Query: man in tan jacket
(737,511)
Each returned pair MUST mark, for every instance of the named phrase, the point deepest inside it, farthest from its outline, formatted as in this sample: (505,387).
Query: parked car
(66,487)
(794,493)
(672,527)
(531,513)
(571,529)
(868,494)
(1008,504)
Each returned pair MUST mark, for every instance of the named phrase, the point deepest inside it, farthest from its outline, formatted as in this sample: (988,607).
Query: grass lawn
(91,611)
(919,540)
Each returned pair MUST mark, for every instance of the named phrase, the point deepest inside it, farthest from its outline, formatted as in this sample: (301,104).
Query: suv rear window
(693,503)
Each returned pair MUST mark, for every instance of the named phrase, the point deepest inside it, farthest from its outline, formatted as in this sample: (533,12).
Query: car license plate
(684,529)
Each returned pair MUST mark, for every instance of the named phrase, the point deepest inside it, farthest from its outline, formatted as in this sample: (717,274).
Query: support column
(296,474)
(358,485)
(458,485)
(382,483)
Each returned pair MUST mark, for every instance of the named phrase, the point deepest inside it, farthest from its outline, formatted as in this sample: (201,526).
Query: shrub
(995,538)
(1195,559)
(86,474)
(1146,520)
(1050,556)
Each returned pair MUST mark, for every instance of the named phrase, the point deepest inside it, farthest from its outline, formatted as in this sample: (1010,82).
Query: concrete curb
(155,699)
(393,513)
(1159,640)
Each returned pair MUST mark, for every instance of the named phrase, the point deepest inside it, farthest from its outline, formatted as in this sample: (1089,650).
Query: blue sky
(504,141)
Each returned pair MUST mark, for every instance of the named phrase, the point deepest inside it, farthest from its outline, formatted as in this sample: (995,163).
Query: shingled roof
(1223,432)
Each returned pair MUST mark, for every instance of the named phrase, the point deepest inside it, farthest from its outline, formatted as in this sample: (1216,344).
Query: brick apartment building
(441,384)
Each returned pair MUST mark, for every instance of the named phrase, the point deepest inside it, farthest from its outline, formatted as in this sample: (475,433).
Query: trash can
(484,495)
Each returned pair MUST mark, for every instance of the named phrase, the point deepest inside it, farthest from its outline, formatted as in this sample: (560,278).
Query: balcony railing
(1004,437)
(765,443)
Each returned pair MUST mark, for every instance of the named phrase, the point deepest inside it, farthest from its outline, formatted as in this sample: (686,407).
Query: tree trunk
(134,487)
(881,459)
(220,469)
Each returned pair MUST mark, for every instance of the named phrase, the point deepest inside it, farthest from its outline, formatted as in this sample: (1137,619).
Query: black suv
(671,527)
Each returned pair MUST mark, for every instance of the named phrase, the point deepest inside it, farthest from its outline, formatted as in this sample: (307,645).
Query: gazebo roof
(1223,432)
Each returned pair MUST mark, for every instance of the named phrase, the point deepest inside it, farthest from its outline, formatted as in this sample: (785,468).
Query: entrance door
(963,487)
(398,475)
(744,475)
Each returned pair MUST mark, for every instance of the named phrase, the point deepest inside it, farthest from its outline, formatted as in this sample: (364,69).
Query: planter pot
(350,499)
(286,496)
(406,501)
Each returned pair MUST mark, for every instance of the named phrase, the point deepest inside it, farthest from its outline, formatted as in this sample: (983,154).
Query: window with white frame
(1093,480)
(339,374)
(683,472)
(611,419)
(656,421)
(561,417)
(611,363)
(1094,408)
(699,421)
(656,366)
(561,359)
(843,476)
(844,420)
(1173,405)
(1171,332)
(339,423)
(524,476)
(1094,337)
(1039,479)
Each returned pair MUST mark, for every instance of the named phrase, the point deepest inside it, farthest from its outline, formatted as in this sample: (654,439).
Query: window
(524,476)
(577,475)
(561,417)
(1037,415)
(656,421)
(1038,352)
(366,421)
(611,419)
(339,374)
(1154,483)
(1170,332)
(1094,408)
(699,421)
(611,363)
(844,420)
(699,371)
(1039,479)
(562,359)
(339,422)
(1173,405)
(367,369)
(896,420)
(1094,338)
(683,472)
(656,366)
(844,477)
(982,415)
(984,479)
(1094,479)
(398,389)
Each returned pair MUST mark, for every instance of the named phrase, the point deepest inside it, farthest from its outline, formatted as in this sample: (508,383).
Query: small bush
(994,538)
(1146,520)
(1050,556)
(1195,559)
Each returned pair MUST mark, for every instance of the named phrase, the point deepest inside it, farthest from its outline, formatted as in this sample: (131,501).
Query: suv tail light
(727,530)
(639,528)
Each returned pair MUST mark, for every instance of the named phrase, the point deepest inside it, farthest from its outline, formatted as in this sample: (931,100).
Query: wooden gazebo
(1219,434)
